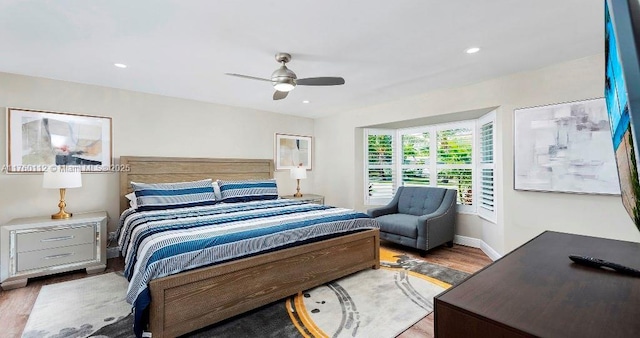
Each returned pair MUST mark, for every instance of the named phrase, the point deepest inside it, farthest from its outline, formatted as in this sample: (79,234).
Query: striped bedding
(159,243)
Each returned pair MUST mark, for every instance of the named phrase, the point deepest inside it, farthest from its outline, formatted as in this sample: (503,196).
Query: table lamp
(298,173)
(62,178)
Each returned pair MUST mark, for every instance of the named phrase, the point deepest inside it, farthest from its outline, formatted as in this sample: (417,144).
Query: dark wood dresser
(536,290)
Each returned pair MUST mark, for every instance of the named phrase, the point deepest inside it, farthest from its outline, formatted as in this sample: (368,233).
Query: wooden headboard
(181,169)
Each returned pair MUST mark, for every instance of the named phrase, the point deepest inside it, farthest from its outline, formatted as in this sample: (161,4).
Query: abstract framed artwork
(565,147)
(292,151)
(38,139)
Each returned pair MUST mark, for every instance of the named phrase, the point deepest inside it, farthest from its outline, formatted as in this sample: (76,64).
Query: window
(380,166)
(415,159)
(455,160)
(455,155)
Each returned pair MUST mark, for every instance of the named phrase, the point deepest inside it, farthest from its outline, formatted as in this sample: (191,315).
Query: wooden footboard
(192,300)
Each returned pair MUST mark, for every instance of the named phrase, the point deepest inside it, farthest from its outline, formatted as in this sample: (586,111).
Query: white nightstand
(41,246)
(311,198)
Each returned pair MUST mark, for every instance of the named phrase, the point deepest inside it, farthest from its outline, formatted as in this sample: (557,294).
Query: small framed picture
(38,139)
(292,151)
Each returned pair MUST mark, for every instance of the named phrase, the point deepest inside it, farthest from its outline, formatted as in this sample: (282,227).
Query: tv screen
(622,95)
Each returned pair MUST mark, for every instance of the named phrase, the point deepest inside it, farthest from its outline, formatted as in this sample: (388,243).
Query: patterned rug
(370,303)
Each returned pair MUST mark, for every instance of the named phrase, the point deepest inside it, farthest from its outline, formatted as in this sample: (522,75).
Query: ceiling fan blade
(320,81)
(247,77)
(280,95)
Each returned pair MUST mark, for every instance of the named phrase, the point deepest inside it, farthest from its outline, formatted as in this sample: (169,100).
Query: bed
(182,302)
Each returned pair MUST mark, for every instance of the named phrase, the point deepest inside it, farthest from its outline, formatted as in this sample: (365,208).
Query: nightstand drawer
(56,256)
(41,240)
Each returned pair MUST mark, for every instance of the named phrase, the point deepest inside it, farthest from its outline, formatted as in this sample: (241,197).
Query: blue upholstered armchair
(419,217)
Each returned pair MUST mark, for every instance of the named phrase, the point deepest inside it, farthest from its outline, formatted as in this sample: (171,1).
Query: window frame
(432,167)
(471,125)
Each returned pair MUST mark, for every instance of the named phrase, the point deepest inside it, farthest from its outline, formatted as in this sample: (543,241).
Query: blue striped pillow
(245,191)
(160,196)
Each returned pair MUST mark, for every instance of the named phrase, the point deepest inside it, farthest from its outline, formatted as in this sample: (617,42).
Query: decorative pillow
(248,190)
(173,195)
(132,200)
(216,191)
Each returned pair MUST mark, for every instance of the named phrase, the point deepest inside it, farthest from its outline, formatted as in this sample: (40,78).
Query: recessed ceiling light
(472,50)
(305,101)
(120,65)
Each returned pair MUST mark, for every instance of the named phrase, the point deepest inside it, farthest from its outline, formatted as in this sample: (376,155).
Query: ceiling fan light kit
(285,80)
(285,86)
(283,83)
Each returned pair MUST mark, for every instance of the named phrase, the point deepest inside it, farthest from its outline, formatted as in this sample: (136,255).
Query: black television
(622,95)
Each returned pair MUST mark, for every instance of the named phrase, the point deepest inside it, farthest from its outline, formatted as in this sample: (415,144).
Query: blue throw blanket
(159,243)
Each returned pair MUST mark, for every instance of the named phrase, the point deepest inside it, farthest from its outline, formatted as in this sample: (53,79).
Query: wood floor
(15,305)
(462,258)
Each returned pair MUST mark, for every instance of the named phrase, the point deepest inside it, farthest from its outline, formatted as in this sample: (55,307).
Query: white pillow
(132,200)
(216,191)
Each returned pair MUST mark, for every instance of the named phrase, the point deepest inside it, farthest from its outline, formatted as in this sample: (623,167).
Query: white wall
(143,125)
(521,215)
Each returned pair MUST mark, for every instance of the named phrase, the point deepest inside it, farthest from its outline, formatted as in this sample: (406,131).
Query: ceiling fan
(284,79)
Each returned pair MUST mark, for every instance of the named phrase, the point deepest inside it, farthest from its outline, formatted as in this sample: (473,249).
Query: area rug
(370,303)
(77,308)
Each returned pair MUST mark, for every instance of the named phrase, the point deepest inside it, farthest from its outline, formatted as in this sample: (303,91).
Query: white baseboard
(477,243)
(467,241)
(113,252)
(489,251)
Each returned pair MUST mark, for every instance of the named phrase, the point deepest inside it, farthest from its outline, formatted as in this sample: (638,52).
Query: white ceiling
(384,49)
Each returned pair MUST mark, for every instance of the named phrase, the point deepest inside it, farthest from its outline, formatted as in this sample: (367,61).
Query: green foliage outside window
(455,146)
(415,148)
(380,149)
(380,153)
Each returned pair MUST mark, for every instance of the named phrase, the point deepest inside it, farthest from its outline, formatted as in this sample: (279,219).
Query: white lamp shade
(62,177)
(298,173)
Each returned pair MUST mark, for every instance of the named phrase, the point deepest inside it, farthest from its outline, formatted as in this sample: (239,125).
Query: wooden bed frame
(194,299)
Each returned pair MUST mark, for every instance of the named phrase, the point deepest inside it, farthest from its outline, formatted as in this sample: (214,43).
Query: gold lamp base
(298,194)
(62,214)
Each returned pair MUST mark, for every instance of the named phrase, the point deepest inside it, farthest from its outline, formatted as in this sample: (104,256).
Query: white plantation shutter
(379,166)
(486,181)
(486,189)
(486,142)
(459,179)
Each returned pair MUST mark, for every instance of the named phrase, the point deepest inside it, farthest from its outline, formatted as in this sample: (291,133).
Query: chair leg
(450,244)
(423,253)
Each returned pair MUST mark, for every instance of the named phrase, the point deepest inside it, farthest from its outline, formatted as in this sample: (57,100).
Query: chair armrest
(381,211)
(443,209)
(391,208)
(431,219)
(440,220)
